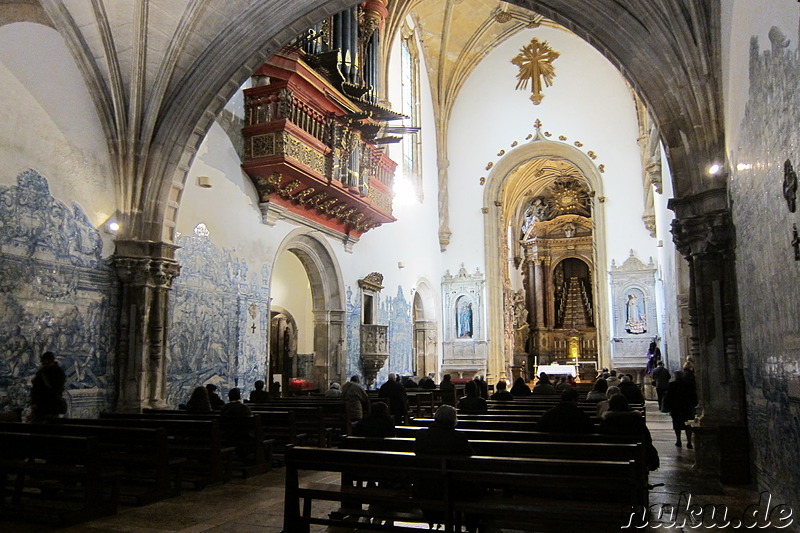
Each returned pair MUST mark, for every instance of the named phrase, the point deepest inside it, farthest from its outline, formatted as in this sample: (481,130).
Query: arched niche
(327,296)
(426,345)
(503,200)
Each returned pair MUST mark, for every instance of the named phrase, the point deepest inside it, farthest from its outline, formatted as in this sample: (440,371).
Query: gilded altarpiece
(559,277)
(633,287)
(464,347)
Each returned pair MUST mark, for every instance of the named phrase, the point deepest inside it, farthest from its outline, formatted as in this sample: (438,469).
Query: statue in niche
(464,318)
(569,230)
(635,320)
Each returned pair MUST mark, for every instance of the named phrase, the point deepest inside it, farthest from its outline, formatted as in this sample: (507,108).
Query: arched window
(409,104)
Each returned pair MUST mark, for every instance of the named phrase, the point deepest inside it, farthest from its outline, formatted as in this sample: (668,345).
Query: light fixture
(204,182)
(744,166)
(112,226)
(714,169)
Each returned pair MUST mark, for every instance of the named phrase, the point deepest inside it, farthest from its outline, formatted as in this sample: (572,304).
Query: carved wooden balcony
(308,150)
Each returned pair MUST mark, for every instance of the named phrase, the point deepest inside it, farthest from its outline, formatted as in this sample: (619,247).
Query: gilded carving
(286,191)
(383,201)
(263,145)
(535,62)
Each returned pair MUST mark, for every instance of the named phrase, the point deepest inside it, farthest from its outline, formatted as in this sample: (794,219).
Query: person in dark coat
(48,389)
(502,393)
(235,407)
(377,424)
(259,395)
(448,389)
(472,402)
(198,401)
(427,382)
(630,390)
(483,387)
(394,394)
(213,397)
(661,378)
(598,392)
(543,386)
(621,420)
(566,417)
(520,389)
(441,438)
(680,400)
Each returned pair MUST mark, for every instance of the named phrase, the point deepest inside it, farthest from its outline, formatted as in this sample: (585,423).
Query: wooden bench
(512,492)
(149,473)
(56,478)
(241,433)
(198,441)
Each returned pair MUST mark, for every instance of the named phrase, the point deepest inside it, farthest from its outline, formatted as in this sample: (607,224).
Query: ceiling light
(714,169)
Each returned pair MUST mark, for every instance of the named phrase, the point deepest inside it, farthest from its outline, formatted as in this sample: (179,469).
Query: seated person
(259,395)
(566,417)
(562,384)
(602,407)
(199,402)
(335,391)
(235,407)
(621,420)
(441,437)
(427,382)
(502,394)
(520,388)
(630,390)
(213,397)
(543,386)
(472,402)
(377,424)
(598,392)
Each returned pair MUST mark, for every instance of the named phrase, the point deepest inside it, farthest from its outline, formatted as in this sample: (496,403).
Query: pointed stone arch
(504,174)
(426,334)
(327,299)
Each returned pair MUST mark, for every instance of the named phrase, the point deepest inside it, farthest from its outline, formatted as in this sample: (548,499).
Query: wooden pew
(56,478)
(198,441)
(149,473)
(518,489)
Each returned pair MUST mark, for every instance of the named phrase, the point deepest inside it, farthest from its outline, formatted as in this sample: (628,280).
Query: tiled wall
(767,272)
(214,304)
(56,293)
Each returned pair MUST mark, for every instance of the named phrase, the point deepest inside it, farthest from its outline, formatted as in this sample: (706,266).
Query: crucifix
(253,327)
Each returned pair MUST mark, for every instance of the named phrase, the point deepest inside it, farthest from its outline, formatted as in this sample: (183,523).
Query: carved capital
(147,264)
(710,233)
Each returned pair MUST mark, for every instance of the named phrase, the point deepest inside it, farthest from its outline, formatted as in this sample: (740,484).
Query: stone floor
(255,505)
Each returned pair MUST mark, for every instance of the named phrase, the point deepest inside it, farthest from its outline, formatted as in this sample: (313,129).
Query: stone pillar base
(722,451)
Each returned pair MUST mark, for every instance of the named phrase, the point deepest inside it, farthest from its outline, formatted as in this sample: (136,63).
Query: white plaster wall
(588,102)
(291,290)
(48,122)
(230,207)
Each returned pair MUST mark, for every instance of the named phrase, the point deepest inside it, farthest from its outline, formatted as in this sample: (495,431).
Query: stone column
(704,234)
(146,271)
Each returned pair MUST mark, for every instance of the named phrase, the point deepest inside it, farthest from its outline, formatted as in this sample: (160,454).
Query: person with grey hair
(441,437)
(602,407)
(355,397)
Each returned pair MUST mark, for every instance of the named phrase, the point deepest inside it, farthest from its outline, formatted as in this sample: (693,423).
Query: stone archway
(327,297)
(426,334)
(502,176)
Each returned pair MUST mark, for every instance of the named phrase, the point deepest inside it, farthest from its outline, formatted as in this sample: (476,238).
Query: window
(409,104)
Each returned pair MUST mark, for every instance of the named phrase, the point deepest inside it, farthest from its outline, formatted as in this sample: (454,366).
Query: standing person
(213,397)
(259,395)
(448,389)
(661,382)
(681,400)
(483,387)
(653,357)
(355,398)
(395,396)
(48,388)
